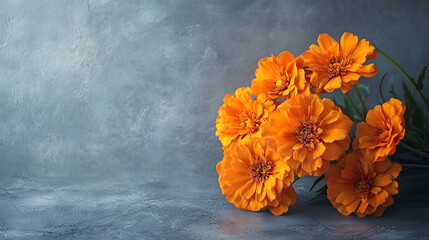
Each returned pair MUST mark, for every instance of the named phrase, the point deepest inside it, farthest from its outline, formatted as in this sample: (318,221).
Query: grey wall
(102,88)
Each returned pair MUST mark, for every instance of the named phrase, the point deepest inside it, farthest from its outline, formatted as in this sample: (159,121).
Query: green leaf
(336,103)
(422,76)
(323,189)
(361,101)
(415,119)
(351,110)
(414,114)
(320,192)
(410,171)
(343,109)
(318,195)
(407,76)
(393,92)
(365,87)
(417,138)
(320,178)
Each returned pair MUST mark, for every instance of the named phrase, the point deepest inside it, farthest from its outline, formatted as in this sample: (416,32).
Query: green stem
(410,79)
(414,165)
(382,100)
(362,103)
(411,149)
(351,101)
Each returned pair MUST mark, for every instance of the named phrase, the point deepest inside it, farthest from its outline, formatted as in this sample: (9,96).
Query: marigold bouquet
(281,129)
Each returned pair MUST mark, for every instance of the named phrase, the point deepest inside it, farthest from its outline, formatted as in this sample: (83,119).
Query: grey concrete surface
(154,207)
(108,108)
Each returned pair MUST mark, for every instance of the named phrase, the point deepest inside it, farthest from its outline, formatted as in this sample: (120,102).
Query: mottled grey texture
(127,87)
(96,91)
(189,208)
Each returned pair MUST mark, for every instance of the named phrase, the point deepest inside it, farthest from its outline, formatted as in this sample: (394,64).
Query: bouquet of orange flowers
(286,131)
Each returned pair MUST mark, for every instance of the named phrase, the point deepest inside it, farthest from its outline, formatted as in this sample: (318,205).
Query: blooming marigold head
(280,77)
(384,127)
(310,132)
(356,185)
(335,66)
(252,176)
(240,117)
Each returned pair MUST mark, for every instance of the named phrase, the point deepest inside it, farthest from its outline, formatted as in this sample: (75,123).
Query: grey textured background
(125,94)
(129,87)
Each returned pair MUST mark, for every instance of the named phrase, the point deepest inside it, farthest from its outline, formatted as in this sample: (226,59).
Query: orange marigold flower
(310,132)
(356,185)
(252,176)
(240,117)
(333,66)
(378,137)
(280,77)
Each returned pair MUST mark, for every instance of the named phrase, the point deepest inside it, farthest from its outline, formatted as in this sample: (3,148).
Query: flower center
(249,121)
(282,83)
(364,186)
(382,131)
(261,170)
(307,134)
(337,67)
